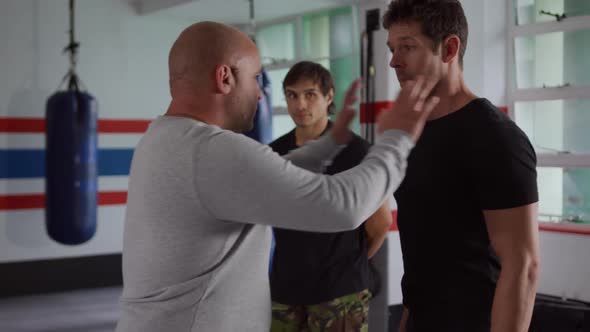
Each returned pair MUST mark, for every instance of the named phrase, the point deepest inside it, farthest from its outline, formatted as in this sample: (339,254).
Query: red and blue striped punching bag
(71,179)
(71,167)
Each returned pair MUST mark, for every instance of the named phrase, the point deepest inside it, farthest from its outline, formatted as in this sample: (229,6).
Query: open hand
(411,109)
(340,131)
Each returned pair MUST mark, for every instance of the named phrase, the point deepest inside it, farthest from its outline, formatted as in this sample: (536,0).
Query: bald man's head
(200,48)
(214,70)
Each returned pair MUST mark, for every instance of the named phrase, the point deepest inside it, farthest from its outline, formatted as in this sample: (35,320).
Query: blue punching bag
(71,158)
(262,129)
(71,167)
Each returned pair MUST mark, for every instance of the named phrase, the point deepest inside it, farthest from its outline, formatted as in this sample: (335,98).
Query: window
(556,126)
(549,98)
(553,59)
(326,37)
(277,42)
(563,194)
(528,11)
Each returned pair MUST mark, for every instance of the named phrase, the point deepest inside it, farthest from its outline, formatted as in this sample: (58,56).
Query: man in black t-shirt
(321,279)
(467,207)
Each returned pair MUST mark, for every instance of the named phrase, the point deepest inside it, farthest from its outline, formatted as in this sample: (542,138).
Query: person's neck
(309,133)
(196,110)
(454,95)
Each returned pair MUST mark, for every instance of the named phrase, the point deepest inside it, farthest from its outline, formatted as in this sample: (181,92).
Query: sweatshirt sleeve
(239,180)
(316,155)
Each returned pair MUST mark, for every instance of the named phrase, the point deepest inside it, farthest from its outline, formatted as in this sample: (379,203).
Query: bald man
(201,196)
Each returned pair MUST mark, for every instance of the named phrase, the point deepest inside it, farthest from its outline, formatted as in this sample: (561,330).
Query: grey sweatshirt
(196,243)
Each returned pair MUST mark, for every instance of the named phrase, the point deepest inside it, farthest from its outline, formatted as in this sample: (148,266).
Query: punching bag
(71,167)
(71,160)
(262,129)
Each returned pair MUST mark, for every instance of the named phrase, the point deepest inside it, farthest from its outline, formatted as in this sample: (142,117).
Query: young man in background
(322,279)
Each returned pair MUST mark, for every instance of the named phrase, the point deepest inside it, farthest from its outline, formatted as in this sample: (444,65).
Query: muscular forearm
(515,296)
(377,227)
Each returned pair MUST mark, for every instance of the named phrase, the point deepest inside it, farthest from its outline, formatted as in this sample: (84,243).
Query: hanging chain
(252,16)
(72,49)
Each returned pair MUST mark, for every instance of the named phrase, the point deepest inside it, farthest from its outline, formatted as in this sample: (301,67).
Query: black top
(310,268)
(471,160)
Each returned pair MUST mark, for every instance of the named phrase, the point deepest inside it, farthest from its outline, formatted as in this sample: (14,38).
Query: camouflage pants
(349,313)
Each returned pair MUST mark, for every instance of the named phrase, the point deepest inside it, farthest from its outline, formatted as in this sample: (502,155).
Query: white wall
(485,58)
(123,63)
(565,267)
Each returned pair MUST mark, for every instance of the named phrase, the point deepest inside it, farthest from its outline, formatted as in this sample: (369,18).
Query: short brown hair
(307,70)
(438,18)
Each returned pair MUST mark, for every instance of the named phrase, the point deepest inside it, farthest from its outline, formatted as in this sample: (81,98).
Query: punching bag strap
(72,49)
(252,18)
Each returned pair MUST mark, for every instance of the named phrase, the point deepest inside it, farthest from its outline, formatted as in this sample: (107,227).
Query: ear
(330,96)
(450,48)
(224,79)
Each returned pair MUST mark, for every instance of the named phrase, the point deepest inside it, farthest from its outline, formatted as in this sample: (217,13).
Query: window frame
(563,160)
(515,94)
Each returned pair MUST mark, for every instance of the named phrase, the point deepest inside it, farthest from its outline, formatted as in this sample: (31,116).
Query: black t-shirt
(471,160)
(309,267)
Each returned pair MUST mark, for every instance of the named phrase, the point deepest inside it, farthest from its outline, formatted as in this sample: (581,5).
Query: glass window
(276,42)
(529,11)
(564,194)
(328,34)
(546,58)
(341,33)
(316,36)
(556,125)
(344,71)
(553,59)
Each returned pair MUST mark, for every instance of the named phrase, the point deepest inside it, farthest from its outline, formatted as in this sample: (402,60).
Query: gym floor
(95,310)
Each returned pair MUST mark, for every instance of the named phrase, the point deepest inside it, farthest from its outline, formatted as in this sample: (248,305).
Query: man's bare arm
(377,227)
(514,236)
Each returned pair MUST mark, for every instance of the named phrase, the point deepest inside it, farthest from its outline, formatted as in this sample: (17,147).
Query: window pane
(528,11)
(281,124)
(316,36)
(553,59)
(276,82)
(556,125)
(276,42)
(341,33)
(344,71)
(328,34)
(564,194)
